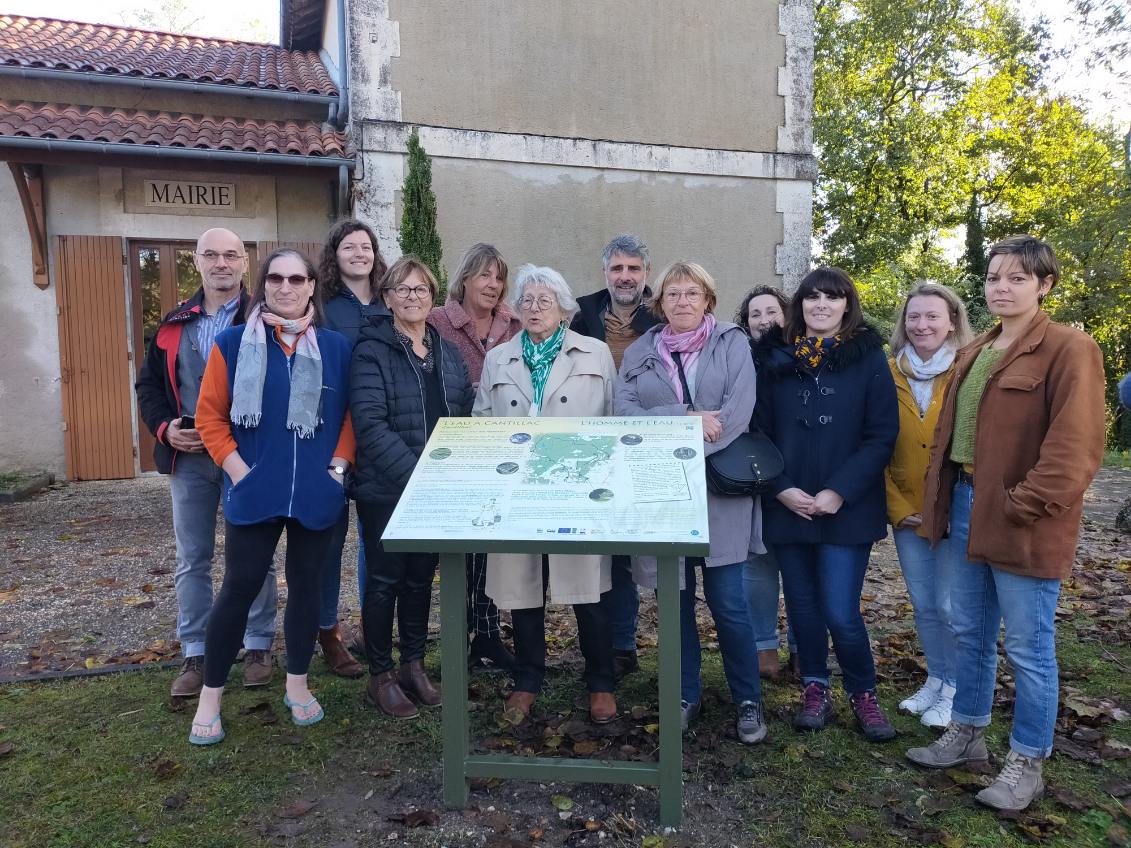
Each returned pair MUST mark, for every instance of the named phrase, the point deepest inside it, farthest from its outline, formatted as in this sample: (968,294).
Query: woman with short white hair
(549,370)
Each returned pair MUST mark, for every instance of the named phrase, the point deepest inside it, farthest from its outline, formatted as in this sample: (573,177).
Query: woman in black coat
(404,378)
(827,399)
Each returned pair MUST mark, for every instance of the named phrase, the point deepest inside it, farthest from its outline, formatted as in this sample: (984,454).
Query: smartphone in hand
(188,422)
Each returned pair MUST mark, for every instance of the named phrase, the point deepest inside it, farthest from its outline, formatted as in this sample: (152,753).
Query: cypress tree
(418,235)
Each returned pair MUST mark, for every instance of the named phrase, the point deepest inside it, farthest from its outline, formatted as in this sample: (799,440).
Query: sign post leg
(453,669)
(671,733)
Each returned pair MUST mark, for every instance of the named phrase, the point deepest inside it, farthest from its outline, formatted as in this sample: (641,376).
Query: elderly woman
(548,370)
(350,268)
(404,379)
(827,400)
(693,364)
(764,307)
(931,328)
(1019,439)
(272,414)
(477,319)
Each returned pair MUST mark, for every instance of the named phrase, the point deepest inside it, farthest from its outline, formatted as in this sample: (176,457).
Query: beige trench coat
(580,384)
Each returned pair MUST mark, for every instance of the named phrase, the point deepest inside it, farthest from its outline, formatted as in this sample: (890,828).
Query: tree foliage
(418,235)
(938,134)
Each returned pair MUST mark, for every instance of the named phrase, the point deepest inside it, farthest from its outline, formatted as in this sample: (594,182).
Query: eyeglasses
(690,295)
(277,280)
(543,303)
(418,292)
(211,257)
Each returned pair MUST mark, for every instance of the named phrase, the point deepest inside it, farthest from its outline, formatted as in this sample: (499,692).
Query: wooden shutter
(313,249)
(94,357)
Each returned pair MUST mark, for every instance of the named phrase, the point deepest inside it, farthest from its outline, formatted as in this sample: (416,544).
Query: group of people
(321,386)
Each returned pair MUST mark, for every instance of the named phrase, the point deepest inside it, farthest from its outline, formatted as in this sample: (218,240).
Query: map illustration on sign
(604,479)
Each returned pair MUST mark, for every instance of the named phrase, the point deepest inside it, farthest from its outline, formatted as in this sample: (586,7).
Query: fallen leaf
(6,748)
(858,832)
(584,749)
(653,842)
(175,802)
(421,818)
(165,768)
(562,802)
(298,809)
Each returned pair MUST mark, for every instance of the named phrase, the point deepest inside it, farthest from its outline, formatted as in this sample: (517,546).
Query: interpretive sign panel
(635,481)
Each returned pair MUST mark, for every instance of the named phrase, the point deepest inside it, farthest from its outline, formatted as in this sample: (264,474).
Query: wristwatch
(339,469)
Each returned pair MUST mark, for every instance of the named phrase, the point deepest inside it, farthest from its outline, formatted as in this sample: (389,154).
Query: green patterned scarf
(539,358)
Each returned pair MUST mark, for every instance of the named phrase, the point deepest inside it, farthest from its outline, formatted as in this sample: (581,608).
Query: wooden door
(94,357)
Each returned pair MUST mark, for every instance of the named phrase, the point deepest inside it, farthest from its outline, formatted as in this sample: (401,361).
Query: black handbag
(747,466)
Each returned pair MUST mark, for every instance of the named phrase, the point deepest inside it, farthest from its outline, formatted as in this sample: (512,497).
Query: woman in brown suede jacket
(1019,439)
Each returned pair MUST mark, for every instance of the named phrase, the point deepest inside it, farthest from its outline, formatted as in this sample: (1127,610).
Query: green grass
(1117,458)
(85,768)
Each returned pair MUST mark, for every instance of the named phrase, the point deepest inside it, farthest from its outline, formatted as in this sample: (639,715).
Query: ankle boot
(960,744)
(1017,785)
(414,681)
(334,651)
(386,695)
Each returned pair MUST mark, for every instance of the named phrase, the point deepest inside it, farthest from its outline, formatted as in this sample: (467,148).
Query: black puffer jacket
(387,406)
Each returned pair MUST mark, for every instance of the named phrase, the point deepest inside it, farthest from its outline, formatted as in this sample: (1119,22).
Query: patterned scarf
(251,371)
(689,345)
(921,374)
(539,358)
(811,351)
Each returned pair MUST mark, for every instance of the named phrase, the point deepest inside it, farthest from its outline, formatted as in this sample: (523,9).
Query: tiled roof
(102,49)
(167,129)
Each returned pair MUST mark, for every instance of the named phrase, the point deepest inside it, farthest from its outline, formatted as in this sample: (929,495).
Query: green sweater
(966,405)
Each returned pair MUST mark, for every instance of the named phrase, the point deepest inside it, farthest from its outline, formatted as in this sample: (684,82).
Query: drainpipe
(343,210)
(340,112)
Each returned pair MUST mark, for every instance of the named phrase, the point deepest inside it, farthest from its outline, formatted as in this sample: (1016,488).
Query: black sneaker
(490,655)
(816,708)
(625,662)
(751,724)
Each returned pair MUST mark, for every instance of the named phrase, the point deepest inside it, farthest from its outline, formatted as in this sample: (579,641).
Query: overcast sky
(259,20)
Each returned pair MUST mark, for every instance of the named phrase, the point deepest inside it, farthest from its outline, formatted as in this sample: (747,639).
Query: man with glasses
(167,388)
(617,316)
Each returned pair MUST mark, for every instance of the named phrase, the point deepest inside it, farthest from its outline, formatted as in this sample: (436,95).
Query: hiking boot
(689,712)
(602,707)
(816,708)
(258,667)
(939,713)
(960,744)
(924,699)
(870,717)
(751,724)
(189,682)
(414,682)
(336,654)
(1017,785)
(490,654)
(625,662)
(768,663)
(386,694)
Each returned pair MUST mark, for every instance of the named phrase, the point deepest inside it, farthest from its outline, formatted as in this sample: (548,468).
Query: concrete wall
(678,72)
(31,404)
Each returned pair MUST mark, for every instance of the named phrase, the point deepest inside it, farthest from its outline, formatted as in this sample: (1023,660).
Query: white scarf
(921,375)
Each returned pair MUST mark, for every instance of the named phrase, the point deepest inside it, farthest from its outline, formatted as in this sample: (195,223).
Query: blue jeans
(621,603)
(722,588)
(760,585)
(194,487)
(927,573)
(331,584)
(982,598)
(822,586)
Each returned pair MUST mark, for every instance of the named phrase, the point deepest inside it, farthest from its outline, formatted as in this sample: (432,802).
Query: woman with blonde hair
(932,326)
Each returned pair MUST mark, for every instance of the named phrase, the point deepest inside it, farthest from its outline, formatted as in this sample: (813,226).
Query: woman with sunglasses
(273,415)
(404,379)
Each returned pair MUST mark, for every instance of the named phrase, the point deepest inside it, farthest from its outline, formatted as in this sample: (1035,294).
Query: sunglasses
(276,280)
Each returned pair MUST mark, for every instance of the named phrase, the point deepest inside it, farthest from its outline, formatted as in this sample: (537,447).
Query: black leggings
(397,586)
(248,552)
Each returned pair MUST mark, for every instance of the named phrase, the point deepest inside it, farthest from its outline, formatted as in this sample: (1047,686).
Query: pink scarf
(688,345)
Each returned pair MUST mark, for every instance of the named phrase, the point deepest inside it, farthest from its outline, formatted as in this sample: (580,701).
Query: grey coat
(724,380)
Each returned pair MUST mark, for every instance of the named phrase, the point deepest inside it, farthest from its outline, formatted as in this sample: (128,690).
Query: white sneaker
(924,699)
(939,713)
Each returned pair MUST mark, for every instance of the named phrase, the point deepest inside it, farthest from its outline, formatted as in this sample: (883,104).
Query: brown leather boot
(602,707)
(386,694)
(334,651)
(414,681)
(768,663)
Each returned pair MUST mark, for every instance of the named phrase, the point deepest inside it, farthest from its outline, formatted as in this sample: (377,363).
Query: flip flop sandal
(304,722)
(196,739)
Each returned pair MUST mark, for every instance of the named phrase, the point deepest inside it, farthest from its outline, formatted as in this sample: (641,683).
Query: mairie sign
(170,194)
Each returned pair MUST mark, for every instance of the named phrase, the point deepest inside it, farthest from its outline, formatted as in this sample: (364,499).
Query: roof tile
(98,48)
(167,129)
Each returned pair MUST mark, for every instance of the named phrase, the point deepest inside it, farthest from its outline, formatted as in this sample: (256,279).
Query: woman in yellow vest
(930,330)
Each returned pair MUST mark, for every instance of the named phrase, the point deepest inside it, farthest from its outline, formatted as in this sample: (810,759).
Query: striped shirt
(208,327)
